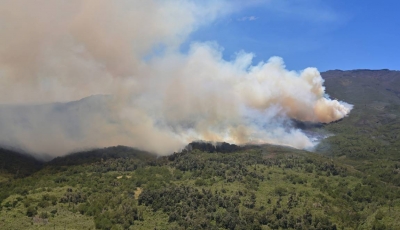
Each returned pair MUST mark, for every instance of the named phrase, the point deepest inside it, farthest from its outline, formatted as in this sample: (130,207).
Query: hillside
(350,181)
(369,138)
(18,164)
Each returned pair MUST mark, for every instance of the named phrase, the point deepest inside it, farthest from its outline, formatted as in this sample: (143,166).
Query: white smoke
(53,51)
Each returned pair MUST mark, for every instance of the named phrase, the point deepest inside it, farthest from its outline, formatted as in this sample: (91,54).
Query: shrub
(280,191)
(31,211)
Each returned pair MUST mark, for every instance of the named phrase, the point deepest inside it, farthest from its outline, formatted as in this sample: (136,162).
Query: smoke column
(159,99)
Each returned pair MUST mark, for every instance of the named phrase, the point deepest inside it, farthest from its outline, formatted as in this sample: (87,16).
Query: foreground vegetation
(264,187)
(350,181)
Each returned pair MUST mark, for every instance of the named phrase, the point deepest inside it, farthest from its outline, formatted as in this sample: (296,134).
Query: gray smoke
(160,99)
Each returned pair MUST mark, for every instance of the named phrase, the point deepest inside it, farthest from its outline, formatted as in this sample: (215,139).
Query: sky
(326,34)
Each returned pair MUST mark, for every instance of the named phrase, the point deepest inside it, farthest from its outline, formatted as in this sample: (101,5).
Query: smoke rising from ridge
(161,99)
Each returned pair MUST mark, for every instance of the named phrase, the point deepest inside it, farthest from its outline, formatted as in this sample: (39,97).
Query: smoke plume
(159,98)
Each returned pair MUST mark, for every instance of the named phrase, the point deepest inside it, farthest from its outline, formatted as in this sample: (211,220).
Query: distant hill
(55,128)
(375,95)
(363,86)
(96,155)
